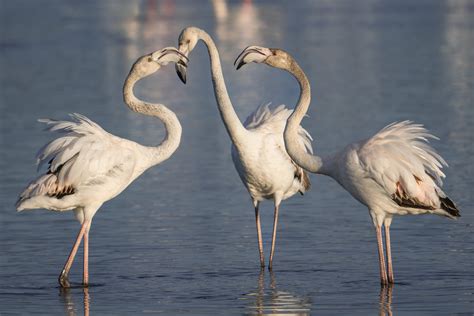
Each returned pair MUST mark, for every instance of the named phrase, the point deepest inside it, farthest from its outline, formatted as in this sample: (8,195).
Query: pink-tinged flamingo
(89,166)
(394,172)
(258,150)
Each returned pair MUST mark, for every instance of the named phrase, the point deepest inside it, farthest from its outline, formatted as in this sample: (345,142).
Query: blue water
(181,239)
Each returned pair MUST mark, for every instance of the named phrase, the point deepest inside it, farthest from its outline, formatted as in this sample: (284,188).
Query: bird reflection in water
(243,16)
(386,300)
(273,301)
(69,306)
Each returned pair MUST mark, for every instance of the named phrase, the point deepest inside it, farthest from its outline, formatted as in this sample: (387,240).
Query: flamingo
(258,151)
(89,166)
(394,172)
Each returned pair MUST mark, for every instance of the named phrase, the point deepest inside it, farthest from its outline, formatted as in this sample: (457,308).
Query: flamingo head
(187,41)
(150,63)
(274,57)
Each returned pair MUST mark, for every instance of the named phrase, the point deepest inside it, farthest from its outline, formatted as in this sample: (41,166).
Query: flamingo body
(263,164)
(395,172)
(87,166)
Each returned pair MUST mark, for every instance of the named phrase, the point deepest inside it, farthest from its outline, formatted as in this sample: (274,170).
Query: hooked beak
(169,54)
(250,54)
(182,68)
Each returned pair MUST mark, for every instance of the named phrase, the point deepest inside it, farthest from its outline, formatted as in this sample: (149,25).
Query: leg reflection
(259,300)
(68,301)
(69,307)
(272,301)
(386,300)
(86,301)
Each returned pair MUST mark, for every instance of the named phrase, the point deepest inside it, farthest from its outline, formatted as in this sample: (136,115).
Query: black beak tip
(181,74)
(241,63)
(182,77)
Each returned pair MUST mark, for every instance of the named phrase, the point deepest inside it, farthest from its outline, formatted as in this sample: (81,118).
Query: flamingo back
(84,156)
(400,159)
(270,119)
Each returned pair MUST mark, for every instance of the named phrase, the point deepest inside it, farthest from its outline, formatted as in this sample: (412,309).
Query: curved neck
(173,128)
(234,126)
(295,150)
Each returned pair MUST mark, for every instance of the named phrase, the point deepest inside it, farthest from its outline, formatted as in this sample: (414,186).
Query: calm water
(181,240)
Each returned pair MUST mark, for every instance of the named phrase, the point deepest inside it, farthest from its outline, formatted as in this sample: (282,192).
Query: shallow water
(181,239)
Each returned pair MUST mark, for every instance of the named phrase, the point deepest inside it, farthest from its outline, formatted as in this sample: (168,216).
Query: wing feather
(83,153)
(400,160)
(273,120)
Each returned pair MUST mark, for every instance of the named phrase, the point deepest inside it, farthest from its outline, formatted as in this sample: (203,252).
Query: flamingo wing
(85,155)
(273,120)
(402,162)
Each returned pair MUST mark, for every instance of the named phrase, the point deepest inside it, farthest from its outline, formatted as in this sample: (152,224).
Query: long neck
(173,128)
(304,159)
(234,126)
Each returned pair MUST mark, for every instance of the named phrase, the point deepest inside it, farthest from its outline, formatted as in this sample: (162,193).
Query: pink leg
(259,234)
(383,272)
(389,253)
(275,224)
(63,277)
(85,279)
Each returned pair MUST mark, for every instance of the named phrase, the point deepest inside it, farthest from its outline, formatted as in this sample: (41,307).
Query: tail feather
(37,187)
(448,205)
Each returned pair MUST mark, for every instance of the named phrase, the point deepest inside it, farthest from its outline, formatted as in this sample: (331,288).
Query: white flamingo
(394,172)
(89,166)
(258,150)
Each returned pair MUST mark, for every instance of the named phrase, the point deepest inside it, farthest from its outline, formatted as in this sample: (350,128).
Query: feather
(273,120)
(83,155)
(401,161)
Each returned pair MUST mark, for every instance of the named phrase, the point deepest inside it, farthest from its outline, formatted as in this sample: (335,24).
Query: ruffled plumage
(82,156)
(400,159)
(273,120)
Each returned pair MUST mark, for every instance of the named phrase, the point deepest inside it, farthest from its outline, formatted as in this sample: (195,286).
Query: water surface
(181,239)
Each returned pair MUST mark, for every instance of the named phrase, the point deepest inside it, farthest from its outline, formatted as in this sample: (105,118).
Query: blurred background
(181,239)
